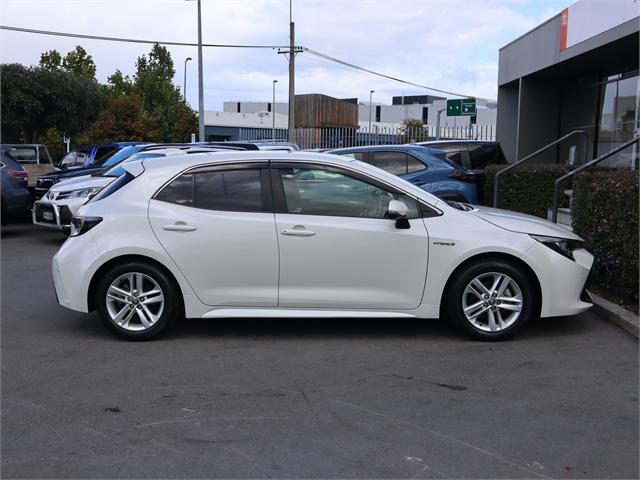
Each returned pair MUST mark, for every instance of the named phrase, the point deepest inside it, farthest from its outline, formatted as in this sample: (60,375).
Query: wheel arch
(492,256)
(125,259)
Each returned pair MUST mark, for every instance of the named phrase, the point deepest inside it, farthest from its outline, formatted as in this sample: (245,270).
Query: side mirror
(397,211)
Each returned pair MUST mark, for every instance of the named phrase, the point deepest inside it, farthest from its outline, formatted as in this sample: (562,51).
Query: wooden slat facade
(321,111)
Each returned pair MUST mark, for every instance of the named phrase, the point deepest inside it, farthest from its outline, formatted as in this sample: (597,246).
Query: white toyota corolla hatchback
(274,234)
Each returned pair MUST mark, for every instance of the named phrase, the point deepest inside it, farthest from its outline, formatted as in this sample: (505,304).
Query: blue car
(426,168)
(16,199)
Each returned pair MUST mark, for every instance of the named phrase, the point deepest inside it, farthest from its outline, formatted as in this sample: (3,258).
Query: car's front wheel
(491,299)
(137,300)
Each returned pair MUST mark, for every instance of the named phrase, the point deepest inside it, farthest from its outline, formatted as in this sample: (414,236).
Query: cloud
(448,44)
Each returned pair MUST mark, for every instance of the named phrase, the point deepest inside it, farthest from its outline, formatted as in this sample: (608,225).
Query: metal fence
(308,138)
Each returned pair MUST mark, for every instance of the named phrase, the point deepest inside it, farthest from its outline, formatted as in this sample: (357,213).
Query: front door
(337,248)
(218,226)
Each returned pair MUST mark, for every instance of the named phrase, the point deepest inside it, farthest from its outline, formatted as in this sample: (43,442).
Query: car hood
(72,173)
(522,223)
(86,181)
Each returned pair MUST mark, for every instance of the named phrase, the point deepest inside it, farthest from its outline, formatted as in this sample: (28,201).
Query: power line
(224,45)
(395,79)
(133,40)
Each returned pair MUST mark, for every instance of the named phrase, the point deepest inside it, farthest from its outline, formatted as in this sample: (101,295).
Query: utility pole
(291,51)
(273,111)
(292,76)
(200,81)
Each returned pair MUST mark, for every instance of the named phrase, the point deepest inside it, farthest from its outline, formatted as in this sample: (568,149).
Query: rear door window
(414,165)
(392,162)
(223,190)
(483,154)
(26,155)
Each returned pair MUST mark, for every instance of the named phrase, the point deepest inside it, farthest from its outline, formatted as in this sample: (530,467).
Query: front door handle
(180,227)
(299,231)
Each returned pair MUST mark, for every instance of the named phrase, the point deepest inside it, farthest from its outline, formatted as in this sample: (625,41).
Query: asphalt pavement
(270,398)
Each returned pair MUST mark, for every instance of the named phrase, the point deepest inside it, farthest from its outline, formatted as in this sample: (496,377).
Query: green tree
(53,139)
(124,119)
(413,130)
(153,82)
(80,63)
(51,60)
(34,99)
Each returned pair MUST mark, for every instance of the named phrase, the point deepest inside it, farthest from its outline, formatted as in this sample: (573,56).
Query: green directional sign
(468,106)
(454,108)
(461,107)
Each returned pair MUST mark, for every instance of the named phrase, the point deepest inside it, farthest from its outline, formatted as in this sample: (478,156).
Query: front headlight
(563,246)
(83,192)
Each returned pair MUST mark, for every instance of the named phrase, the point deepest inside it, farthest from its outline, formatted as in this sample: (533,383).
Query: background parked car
(16,199)
(111,158)
(472,155)
(34,158)
(424,167)
(56,208)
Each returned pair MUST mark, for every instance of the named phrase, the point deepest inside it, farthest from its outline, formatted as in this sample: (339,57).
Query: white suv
(263,234)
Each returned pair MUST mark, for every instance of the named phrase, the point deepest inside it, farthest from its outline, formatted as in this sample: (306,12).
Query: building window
(238,107)
(618,118)
(378,112)
(269,107)
(425,115)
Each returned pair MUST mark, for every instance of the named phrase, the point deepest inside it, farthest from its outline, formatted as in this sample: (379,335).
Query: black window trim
(265,182)
(279,199)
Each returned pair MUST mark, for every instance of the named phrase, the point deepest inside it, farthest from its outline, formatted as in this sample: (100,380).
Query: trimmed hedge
(605,214)
(526,189)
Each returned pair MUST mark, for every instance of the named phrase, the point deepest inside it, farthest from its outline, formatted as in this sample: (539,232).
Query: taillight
(464,175)
(18,174)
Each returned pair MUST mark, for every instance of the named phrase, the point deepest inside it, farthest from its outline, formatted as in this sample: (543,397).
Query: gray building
(576,71)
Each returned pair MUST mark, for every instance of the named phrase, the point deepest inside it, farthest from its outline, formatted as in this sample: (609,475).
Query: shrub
(526,189)
(605,214)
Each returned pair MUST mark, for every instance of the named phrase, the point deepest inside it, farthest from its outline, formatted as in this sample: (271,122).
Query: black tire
(487,271)
(170,311)
(4,215)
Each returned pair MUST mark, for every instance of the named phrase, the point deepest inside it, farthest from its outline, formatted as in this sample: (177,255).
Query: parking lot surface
(260,398)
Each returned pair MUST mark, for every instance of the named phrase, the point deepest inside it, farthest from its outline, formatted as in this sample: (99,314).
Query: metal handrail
(531,155)
(556,186)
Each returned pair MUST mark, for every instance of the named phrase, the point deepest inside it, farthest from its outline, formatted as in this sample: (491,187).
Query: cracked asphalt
(256,398)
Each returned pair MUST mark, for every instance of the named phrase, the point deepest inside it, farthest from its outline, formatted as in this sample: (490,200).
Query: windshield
(120,155)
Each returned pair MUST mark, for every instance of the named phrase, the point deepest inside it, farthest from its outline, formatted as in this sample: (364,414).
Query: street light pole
(273,111)
(370,104)
(438,123)
(200,81)
(184,85)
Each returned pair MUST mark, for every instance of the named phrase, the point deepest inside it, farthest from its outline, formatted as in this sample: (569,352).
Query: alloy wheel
(134,301)
(492,301)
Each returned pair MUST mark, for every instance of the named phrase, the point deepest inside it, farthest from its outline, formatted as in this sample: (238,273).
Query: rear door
(217,224)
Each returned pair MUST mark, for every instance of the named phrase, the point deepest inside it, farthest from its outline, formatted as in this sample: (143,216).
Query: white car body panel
(214,257)
(347,263)
(433,247)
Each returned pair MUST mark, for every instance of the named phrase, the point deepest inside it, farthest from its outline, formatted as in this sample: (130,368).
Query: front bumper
(50,215)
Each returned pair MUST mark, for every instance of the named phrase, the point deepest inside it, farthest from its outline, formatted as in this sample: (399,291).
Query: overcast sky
(447,44)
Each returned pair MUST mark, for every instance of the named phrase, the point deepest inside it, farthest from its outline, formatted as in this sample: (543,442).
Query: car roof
(440,142)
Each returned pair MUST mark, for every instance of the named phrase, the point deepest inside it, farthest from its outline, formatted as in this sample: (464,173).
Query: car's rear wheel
(137,301)
(491,299)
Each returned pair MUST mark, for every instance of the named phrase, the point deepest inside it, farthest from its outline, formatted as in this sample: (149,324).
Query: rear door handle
(298,231)
(180,227)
